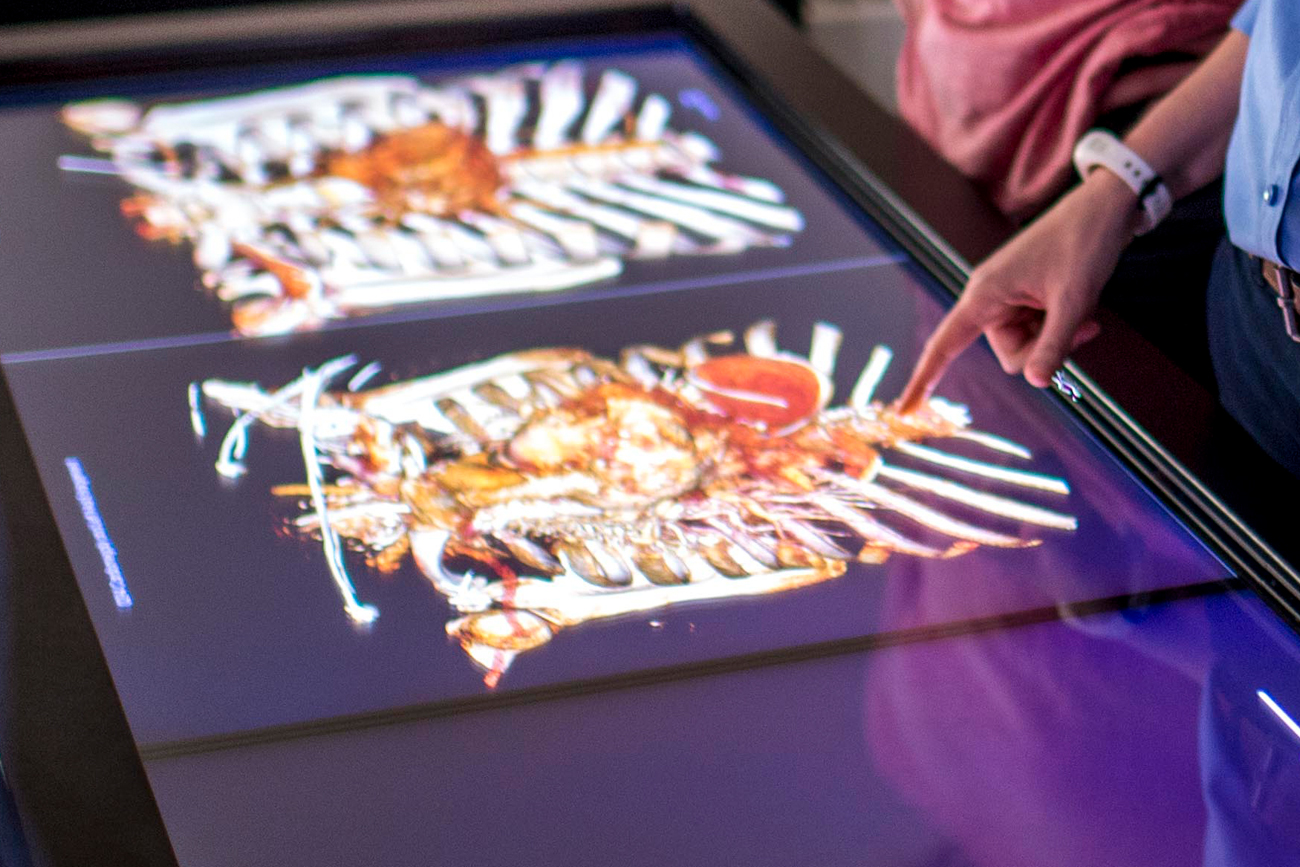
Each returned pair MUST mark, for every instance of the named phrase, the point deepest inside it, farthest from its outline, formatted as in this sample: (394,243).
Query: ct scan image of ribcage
(350,195)
(545,488)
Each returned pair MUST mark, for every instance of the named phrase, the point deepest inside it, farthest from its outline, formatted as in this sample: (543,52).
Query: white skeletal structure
(481,473)
(567,180)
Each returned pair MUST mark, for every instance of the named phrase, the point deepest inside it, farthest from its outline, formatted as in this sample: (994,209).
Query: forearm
(1184,136)
(1034,297)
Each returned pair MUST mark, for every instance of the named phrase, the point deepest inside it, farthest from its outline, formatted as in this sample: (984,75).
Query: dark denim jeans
(1256,364)
(1159,286)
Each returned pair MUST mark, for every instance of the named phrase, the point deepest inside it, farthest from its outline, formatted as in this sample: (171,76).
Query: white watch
(1100,148)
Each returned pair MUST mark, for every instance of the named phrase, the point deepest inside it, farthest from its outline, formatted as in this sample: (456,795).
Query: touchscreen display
(371,388)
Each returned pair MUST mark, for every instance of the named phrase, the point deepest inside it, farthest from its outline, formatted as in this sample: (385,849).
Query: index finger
(954,333)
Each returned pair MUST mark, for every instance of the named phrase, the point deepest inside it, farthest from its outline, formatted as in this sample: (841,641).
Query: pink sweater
(1003,88)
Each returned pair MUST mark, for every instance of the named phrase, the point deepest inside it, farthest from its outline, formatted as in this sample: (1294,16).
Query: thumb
(1054,342)
(1087,331)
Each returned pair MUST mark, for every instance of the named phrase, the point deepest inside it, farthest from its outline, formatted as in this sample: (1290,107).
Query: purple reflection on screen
(1122,738)
(1135,738)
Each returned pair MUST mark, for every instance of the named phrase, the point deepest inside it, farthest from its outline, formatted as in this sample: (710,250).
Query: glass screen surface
(1163,735)
(369,389)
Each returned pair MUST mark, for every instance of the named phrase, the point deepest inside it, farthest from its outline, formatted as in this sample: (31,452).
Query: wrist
(1111,204)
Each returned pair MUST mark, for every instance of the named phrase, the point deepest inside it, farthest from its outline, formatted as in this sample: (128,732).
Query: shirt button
(1270,195)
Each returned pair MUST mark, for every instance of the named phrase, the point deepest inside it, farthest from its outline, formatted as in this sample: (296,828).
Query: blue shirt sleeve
(1261,187)
(1244,20)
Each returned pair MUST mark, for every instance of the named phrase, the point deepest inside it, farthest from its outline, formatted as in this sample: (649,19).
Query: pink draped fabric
(1003,88)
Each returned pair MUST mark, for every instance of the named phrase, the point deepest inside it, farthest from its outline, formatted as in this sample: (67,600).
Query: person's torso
(1261,186)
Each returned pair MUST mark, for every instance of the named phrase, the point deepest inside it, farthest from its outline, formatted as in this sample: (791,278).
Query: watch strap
(1099,147)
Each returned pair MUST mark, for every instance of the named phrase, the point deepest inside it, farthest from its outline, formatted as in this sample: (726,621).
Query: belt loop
(1286,300)
(1283,282)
